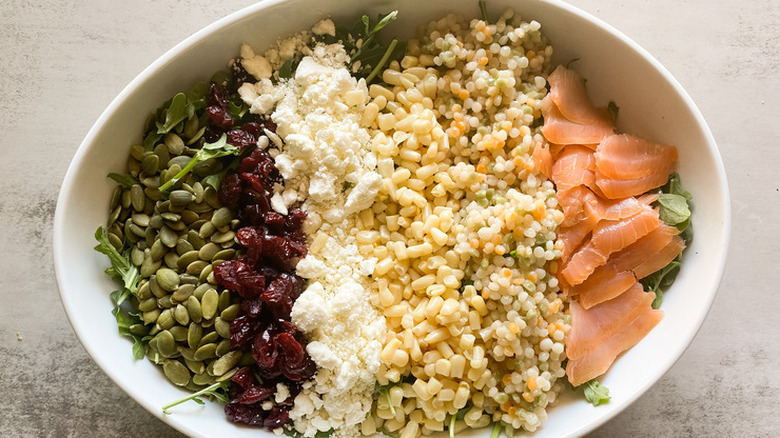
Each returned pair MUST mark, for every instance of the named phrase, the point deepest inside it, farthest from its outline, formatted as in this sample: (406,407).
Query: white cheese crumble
(326,160)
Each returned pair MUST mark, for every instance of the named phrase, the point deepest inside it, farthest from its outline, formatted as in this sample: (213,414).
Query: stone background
(63,61)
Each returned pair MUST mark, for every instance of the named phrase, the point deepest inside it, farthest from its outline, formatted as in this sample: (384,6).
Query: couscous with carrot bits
(465,241)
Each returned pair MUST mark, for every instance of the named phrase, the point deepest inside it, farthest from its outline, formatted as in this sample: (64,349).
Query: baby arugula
(220,148)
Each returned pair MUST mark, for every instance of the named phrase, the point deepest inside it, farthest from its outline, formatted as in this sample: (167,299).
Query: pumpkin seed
(136,256)
(151,164)
(137,197)
(149,267)
(195,366)
(206,351)
(179,161)
(171,217)
(190,128)
(115,241)
(222,217)
(200,290)
(209,338)
(227,375)
(138,329)
(147,304)
(223,347)
(193,305)
(183,292)
(116,196)
(209,304)
(188,279)
(168,237)
(187,258)
(144,291)
(223,237)
(211,279)
(231,312)
(150,181)
(226,362)
(126,200)
(153,193)
(156,222)
(166,345)
(135,229)
(189,216)
(208,251)
(210,196)
(203,378)
(180,198)
(151,315)
(162,153)
(222,327)
(204,274)
(179,333)
(155,287)
(140,219)
(176,372)
(192,387)
(154,330)
(181,315)
(225,300)
(196,267)
(171,260)
(166,320)
(133,166)
(158,250)
(197,136)
(137,151)
(183,246)
(225,254)
(206,230)
(194,334)
(165,302)
(174,143)
(187,353)
(194,238)
(168,279)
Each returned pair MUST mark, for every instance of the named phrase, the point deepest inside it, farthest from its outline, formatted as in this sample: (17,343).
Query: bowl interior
(652,104)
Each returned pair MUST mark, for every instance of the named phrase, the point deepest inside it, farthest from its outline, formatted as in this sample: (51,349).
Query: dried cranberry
(230,190)
(240,138)
(245,414)
(255,394)
(253,128)
(217,96)
(264,350)
(240,331)
(244,378)
(278,417)
(220,116)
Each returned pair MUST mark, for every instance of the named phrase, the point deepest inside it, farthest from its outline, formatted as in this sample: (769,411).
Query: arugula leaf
(674,209)
(595,393)
(661,279)
(123,179)
(217,390)
(220,148)
(177,112)
(368,55)
(123,321)
(197,95)
(122,268)
(286,70)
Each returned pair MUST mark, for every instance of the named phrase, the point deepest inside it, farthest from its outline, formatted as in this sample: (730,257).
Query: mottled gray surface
(63,61)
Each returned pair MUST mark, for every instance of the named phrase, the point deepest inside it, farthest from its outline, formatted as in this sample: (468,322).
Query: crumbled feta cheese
(324,27)
(255,65)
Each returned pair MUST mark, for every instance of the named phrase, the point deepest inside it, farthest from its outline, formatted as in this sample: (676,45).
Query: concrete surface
(61,63)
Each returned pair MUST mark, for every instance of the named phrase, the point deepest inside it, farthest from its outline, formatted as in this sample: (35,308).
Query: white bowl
(652,104)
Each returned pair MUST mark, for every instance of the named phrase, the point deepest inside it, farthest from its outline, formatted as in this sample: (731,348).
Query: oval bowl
(652,104)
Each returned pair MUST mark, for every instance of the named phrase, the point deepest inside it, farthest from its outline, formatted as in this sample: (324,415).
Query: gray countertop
(62,62)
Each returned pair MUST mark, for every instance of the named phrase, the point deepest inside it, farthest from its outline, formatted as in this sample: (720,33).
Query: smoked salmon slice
(623,188)
(598,361)
(543,160)
(608,237)
(574,167)
(629,157)
(604,284)
(557,129)
(647,250)
(567,91)
(593,327)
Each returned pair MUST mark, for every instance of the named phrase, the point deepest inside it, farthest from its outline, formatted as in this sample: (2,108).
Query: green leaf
(217,390)
(176,113)
(496,430)
(121,266)
(346,185)
(595,393)
(483,11)
(214,180)
(612,111)
(197,95)
(674,186)
(152,137)
(219,148)
(674,209)
(286,70)
(368,55)
(123,179)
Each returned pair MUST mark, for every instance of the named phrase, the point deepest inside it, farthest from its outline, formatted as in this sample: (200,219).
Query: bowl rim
(60,225)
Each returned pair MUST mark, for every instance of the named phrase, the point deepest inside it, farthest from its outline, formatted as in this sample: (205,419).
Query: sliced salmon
(627,157)
(557,129)
(645,250)
(608,237)
(614,188)
(660,259)
(567,91)
(592,327)
(574,167)
(603,285)
(543,160)
(598,361)
(573,237)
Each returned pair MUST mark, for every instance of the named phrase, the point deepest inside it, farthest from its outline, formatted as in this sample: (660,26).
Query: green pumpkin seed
(126,200)
(207,230)
(189,216)
(194,238)
(168,279)
(194,334)
(168,237)
(187,258)
(179,333)
(150,236)
(181,315)
(135,229)
(144,291)
(137,151)
(204,274)
(166,345)
(206,351)
(225,299)
(197,136)
(183,246)
(158,250)
(208,251)
(166,320)
(164,206)
(222,327)
(157,291)
(165,302)
(151,315)
(225,254)
(140,219)
(211,279)
(190,128)
(116,196)
(183,292)
(188,279)
(180,161)
(151,164)
(223,237)
(153,193)
(133,167)
(156,222)
(137,197)
(150,181)
(180,198)
(171,260)
(191,387)
(196,267)
(162,152)
(154,330)
(209,304)
(211,198)
(186,353)
(195,366)
(176,372)
(174,143)
(147,304)
(226,362)
(222,217)
(227,375)
(200,290)
(209,338)
(203,378)
(231,312)
(149,267)
(115,241)
(138,329)
(194,307)
(171,217)
(136,256)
